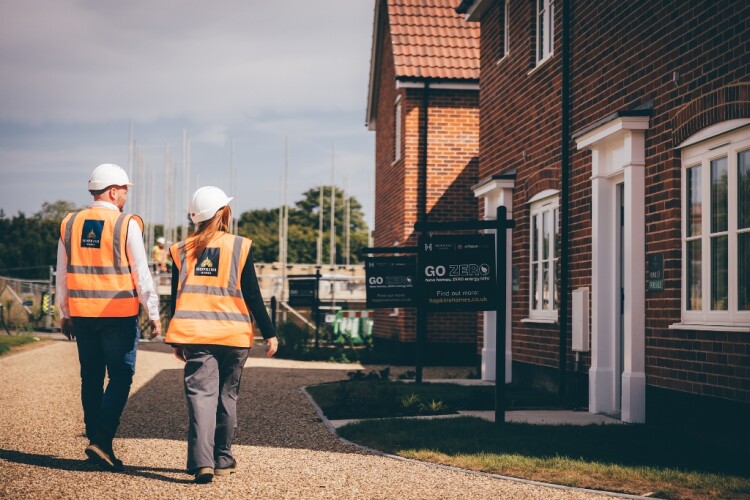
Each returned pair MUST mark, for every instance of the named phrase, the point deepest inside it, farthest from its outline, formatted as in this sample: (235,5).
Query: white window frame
(506,28)
(544,202)
(725,145)
(397,130)
(545,30)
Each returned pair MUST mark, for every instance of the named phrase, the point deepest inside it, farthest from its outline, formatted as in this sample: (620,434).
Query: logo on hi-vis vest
(92,233)
(208,264)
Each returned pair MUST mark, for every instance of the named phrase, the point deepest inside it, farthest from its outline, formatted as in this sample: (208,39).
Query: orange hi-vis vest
(209,307)
(98,271)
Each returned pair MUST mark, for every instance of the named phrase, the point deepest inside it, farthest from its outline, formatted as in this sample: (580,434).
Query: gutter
(564,197)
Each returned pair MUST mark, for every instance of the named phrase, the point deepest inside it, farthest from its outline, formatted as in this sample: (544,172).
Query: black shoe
(225,471)
(104,457)
(204,475)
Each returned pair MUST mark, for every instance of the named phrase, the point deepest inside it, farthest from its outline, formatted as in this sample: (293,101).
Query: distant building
(424,57)
(624,158)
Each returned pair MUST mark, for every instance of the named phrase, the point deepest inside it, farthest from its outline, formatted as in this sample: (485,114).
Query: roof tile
(430,40)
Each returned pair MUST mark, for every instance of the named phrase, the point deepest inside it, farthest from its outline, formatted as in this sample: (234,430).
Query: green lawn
(675,461)
(9,341)
(635,459)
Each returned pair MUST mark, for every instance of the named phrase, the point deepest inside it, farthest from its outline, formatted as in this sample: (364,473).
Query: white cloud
(68,61)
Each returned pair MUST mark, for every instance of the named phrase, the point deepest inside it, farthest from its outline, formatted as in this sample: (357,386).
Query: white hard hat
(108,174)
(161,240)
(206,202)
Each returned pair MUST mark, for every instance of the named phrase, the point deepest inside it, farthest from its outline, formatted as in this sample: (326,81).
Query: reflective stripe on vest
(99,280)
(211,309)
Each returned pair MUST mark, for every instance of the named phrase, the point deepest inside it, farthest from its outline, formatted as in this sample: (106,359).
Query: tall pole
(281,220)
(347,221)
(185,185)
(333,207)
(319,259)
(168,194)
(130,150)
(285,218)
(232,182)
(501,238)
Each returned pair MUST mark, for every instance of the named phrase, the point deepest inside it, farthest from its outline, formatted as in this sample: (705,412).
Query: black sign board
(457,272)
(302,292)
(655,270)
(390,281)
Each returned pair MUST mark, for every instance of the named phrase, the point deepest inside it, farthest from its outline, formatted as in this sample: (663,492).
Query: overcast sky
(77,73)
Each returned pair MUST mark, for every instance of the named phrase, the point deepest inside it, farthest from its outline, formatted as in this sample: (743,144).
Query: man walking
(102,274)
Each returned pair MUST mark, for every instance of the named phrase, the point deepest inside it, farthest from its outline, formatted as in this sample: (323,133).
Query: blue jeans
(105,344)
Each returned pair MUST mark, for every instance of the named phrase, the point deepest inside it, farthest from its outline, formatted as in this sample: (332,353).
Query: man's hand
(272,345)
(155,328)
(179,353)
(66,326)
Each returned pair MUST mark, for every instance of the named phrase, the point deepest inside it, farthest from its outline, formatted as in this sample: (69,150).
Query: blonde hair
(208,229)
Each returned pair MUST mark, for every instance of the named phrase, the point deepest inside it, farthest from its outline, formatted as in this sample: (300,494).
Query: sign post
(304,292)
(472,286)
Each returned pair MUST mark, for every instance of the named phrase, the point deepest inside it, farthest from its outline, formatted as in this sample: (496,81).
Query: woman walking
(216,308)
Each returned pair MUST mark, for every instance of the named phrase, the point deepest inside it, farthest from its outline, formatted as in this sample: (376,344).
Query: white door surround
(497,191)
(617,157)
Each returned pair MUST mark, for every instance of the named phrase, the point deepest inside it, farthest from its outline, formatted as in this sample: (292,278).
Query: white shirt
(137,258)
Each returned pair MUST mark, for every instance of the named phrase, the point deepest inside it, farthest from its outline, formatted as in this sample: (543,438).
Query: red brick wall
(520,123)
(624,55)
(453,144)
(706,43)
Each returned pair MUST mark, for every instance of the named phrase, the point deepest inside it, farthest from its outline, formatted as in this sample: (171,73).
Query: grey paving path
(283,448)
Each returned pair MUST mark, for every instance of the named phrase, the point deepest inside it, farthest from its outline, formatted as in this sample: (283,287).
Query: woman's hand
(272,345)
(179,353)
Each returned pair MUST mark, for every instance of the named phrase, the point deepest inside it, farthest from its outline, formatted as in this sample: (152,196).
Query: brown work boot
(204,475)
(225,471)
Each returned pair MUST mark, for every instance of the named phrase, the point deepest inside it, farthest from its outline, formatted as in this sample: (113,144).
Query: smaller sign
(655,272)
(389,281)
(302,292)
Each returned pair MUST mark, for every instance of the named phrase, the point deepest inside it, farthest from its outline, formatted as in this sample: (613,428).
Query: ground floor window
(716,229)
(544,237)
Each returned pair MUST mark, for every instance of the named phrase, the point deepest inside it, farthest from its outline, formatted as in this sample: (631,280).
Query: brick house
(424,56)
(618,136)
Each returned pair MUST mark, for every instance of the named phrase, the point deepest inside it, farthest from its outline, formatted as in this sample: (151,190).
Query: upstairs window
(504,26)
(545,29)
(397,130)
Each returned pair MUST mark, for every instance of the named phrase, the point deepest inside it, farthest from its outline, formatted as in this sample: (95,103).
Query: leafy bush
(292,339)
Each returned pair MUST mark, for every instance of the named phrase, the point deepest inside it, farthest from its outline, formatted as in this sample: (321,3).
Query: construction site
(29,305)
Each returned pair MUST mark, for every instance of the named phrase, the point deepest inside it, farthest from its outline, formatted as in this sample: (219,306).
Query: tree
(262,226)
(56,211)
(28,245)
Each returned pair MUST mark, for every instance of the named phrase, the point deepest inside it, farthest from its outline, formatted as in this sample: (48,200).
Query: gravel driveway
(283,449)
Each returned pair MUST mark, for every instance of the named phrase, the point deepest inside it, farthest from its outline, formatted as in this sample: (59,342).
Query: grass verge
(635,459)
(8,342)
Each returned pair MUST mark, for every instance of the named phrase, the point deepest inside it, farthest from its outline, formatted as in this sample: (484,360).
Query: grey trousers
(212,381)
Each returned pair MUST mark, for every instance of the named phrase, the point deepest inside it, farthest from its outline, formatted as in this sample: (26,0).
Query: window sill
(541,63)
(544,321)
(704,327)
